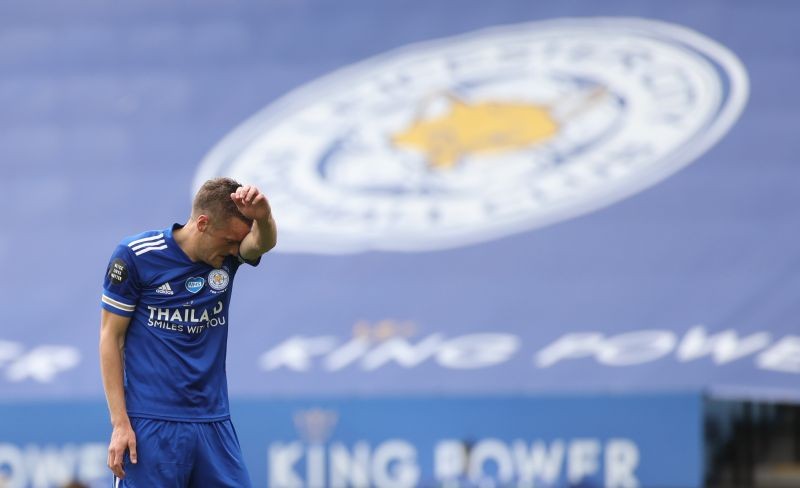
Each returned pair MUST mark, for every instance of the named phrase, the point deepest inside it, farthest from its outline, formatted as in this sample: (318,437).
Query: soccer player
(163,340)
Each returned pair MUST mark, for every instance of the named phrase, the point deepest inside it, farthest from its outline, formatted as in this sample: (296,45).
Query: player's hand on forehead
(246,193)
(251,202)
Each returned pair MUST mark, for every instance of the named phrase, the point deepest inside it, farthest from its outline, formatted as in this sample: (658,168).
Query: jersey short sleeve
(121,287)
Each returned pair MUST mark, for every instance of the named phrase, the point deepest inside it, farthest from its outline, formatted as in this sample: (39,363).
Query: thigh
(219,462)
(164,451)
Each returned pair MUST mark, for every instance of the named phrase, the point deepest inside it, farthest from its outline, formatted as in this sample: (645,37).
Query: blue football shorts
(185,455)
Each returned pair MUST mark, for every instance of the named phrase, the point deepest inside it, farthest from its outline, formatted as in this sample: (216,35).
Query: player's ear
(202,222)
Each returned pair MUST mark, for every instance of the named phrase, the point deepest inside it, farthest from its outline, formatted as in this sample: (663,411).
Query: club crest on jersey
(195,284)
(218,279)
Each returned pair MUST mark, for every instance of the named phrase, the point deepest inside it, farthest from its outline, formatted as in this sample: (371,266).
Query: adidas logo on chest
(165,289)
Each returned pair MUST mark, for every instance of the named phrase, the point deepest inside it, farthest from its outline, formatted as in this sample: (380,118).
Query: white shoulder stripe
(117,304)
(148,249)
(145,239)
(147,244)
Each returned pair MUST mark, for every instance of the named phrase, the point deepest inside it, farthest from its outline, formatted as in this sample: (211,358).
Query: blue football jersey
(175,347)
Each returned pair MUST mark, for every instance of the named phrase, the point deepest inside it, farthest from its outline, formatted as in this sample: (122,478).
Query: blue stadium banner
(617,441)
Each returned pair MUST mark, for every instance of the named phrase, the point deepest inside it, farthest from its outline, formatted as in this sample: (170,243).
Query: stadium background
(107,111)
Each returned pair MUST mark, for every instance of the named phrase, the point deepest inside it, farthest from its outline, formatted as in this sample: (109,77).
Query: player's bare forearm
(112,340)
(263,234)
(262,237)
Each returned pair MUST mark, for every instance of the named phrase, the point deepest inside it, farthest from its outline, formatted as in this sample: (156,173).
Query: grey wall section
(107,111)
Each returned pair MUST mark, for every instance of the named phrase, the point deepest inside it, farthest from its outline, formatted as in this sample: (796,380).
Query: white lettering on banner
(392,464)
(296,353)
(582,459)
(636,347)
(478,350)
(45,466)
(482,350)
(724,347)
(350,470)
(402,352)
(315,465)
(464,352)
(43,363)
(646,346)
(450,460)
(620,350)
(570,346)
(486,462)
(540,463)
(281,461)
(783,356)
(347,354)
(622,458)
(495,451)
(14,471)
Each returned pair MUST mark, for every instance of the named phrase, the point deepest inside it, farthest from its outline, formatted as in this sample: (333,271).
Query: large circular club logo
(476,137)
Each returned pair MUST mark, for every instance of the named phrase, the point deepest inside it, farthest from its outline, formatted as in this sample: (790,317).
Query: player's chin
(216,262)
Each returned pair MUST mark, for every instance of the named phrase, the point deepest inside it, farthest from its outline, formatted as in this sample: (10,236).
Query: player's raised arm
(263,235)
(112,341)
